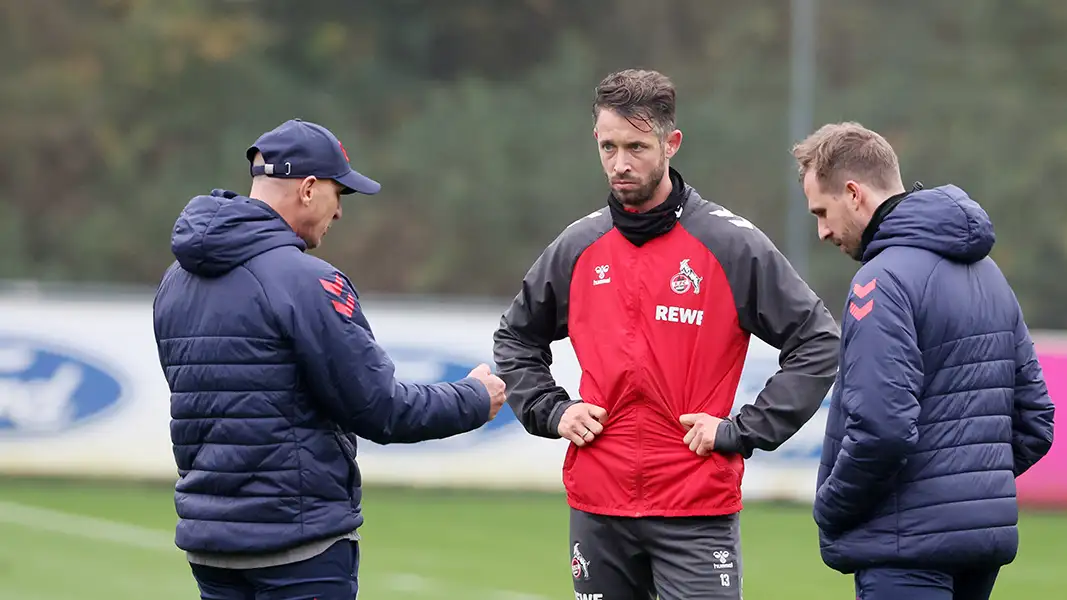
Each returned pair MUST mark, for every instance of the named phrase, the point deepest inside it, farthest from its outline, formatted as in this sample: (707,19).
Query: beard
(851,242)
(855,252)
(635,197)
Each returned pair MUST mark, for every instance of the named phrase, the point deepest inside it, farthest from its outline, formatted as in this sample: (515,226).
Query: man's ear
(673,142)
(853,194)
(307,185)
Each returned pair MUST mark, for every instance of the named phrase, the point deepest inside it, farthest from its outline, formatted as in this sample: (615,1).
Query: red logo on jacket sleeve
(861,291)
(858,312)
(343,299)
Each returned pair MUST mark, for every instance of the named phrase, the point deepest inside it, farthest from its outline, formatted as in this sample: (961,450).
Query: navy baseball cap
(297,149)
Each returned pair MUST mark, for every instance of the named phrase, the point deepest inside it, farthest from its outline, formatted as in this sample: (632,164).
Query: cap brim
(356,182)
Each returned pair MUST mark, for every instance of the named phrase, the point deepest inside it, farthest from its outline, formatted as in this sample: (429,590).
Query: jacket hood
(217,232)
(943,220)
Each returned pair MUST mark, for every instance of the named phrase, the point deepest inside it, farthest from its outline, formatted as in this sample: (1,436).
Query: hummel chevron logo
(345,303)
(858,312)
(862,290)
(335,287)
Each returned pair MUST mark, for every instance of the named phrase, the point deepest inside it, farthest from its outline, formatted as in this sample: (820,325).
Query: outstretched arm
(354,380)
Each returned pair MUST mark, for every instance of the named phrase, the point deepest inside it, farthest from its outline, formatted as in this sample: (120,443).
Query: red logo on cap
(343,151)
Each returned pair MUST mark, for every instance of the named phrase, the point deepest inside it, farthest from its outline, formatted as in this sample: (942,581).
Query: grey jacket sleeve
(776,305)
(536,318)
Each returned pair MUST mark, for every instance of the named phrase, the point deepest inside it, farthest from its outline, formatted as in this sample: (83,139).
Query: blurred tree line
(475,116)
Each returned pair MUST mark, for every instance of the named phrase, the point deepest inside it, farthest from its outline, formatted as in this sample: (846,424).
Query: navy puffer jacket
(940,402)
(273,372)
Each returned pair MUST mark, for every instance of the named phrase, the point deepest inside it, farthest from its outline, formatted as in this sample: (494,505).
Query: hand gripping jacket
(661,330)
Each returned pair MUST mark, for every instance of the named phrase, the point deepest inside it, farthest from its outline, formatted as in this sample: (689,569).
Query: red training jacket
(661,330)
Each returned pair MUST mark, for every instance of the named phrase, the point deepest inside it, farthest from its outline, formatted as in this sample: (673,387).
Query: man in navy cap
(285,158)
(274,372)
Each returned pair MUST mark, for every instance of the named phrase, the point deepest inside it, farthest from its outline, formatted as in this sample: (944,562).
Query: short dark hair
(647,96)
(837,151)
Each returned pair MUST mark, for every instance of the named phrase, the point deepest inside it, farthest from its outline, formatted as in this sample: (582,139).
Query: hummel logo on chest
(601,275)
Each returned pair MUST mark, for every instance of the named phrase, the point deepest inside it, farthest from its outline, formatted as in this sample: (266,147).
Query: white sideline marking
(43,519)
(410,583)
(103,530)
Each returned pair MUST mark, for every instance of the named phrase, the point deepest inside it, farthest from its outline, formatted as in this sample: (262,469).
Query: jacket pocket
(568,466)
(731,466)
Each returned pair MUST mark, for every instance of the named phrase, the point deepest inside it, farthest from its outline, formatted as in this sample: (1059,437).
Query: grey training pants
(673,558)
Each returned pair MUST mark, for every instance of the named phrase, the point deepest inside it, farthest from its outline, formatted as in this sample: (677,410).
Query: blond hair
(840,151)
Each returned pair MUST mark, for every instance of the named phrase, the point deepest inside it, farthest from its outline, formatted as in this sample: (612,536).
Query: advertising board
(1045,484)
(82,393)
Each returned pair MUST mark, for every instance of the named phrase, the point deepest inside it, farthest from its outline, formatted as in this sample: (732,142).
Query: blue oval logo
(46,390)
(428,366)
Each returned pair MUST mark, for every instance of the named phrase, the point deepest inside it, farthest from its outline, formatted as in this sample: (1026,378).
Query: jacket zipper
(640,453)
(349,453)
(634,294)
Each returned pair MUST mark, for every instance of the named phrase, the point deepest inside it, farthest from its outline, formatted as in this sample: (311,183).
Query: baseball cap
(298,148)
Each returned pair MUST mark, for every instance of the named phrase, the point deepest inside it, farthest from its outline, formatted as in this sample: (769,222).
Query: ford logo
(45,389)
(428,366)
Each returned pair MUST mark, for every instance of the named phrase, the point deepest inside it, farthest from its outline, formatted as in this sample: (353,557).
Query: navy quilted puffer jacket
(940,402)
(273,372)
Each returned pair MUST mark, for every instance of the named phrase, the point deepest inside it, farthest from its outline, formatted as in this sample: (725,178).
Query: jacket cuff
(820,521)
(556,416)
(818,511)
(727,438)
(485,403)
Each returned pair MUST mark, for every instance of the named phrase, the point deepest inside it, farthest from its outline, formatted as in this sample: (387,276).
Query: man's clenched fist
(581,423)
(494,385)
(701,435)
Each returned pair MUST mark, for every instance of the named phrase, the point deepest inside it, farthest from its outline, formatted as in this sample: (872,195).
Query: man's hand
(581,423)
(701,434)
(494,385)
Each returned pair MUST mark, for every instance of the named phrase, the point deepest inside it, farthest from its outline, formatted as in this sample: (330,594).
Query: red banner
(1045,484)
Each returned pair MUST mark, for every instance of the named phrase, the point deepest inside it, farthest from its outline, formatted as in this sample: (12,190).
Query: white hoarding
(82,393)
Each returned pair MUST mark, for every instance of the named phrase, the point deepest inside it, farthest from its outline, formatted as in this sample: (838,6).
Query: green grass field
(96,541)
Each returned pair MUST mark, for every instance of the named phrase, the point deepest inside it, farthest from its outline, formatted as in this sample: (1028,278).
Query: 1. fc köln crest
(686,279)
(579,565)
